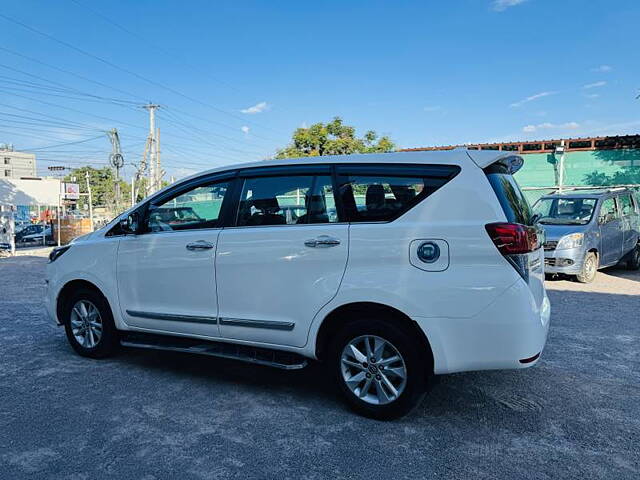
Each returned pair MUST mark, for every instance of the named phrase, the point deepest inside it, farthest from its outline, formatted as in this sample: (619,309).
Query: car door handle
(200,245)
(323,241)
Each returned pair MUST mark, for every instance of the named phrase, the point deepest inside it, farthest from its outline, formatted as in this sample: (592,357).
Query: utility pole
(86,176)
(116,160)
(153,148)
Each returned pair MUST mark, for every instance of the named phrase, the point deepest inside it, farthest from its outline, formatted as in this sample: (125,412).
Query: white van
(390,268)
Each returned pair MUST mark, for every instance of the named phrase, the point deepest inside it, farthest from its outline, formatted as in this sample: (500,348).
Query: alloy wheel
(86,324)
(373,369)
(590,268)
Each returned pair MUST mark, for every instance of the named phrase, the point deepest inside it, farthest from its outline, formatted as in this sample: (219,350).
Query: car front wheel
(89,326)
(380,369)
(589,268)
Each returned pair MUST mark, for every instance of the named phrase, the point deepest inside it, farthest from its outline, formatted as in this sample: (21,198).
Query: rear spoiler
(485,158)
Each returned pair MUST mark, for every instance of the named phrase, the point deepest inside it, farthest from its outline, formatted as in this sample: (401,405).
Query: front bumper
(50,302)
(568,260)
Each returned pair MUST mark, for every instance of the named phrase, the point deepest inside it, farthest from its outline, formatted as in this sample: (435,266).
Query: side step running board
(244,353)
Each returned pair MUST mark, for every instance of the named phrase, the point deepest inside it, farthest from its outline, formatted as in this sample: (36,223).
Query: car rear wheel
(89,326)
(633,263)
(589,268)
(379,367)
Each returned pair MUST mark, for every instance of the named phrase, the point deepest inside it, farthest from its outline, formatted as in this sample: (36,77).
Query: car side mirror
(602,219)
(129,224)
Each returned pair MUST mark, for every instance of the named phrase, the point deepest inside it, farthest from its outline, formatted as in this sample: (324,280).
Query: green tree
(333,138)
(102,181)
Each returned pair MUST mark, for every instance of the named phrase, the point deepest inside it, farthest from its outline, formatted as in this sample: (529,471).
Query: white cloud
(257,108)
(245,129)
(602,69)
(550,126)
(531,98)
(432,108)
(502,5)
(595,84)
(592,95)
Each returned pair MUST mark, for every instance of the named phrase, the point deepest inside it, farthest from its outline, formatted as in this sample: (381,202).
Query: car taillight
(514,241)
(513,238)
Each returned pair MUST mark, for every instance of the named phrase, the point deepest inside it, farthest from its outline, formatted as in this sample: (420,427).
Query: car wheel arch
(340,316)
(72,286)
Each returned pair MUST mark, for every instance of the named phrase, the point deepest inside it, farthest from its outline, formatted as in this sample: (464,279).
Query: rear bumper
(567,261)
(510,330)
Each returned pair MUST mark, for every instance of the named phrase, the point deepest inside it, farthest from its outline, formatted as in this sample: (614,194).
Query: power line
(63,144)
(125,70)
(64,87)
(157,47)
(79,111)
(68,72)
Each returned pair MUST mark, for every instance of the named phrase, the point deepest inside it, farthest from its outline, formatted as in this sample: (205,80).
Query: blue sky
(236,78)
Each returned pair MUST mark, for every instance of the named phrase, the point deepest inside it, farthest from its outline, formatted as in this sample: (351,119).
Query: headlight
(570,241)
(57,252)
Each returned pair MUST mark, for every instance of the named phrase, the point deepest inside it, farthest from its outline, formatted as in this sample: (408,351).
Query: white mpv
(389,268)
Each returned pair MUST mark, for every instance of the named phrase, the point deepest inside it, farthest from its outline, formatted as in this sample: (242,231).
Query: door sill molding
(267,324)
(173,318)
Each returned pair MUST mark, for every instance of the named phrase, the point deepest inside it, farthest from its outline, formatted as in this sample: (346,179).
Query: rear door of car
(282,257)
(611,232)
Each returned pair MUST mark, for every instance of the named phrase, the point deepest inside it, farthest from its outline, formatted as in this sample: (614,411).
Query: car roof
(456,156)
(596,193)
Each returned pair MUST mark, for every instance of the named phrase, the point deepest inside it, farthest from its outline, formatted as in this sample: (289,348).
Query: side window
(608,211)
(290,200)
(625,204)
(195,209)
(374,198)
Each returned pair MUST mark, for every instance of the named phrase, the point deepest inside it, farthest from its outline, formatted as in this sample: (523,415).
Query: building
(572,162)
(16,164)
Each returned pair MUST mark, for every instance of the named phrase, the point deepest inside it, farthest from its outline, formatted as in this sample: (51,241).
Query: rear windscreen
(514,203)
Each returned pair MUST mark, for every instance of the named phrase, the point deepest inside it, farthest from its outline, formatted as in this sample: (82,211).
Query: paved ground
(148,415)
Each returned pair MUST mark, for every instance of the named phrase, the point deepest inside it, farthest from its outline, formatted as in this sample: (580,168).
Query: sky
(235,79)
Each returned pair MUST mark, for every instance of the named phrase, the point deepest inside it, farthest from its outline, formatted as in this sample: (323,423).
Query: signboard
(70,191)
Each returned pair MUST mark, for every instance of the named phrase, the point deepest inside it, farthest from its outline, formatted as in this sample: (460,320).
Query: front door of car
(166,273)
(611,232)
(283,259)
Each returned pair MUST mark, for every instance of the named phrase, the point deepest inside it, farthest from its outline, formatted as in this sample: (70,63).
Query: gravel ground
(155,415)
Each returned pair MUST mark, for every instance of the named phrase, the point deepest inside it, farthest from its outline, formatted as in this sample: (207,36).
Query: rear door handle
(323,241)
(200,245)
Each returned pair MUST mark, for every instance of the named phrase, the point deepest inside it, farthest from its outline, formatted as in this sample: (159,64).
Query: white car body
(261,286)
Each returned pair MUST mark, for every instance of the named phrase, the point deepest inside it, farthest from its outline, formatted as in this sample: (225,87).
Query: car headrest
(375,196)
(266,204)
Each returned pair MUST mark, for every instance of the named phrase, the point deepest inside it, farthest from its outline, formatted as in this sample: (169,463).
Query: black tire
(633,263)
(108,342)
(416,362)
(589,268)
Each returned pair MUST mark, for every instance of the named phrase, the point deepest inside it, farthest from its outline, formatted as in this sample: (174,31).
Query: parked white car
(388,267)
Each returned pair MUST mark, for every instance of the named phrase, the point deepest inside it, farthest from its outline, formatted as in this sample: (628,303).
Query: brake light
(513,238)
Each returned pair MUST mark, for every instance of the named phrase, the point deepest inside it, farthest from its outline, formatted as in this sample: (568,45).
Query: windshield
(565,211)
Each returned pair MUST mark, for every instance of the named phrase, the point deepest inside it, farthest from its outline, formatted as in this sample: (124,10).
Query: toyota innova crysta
(388,268)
